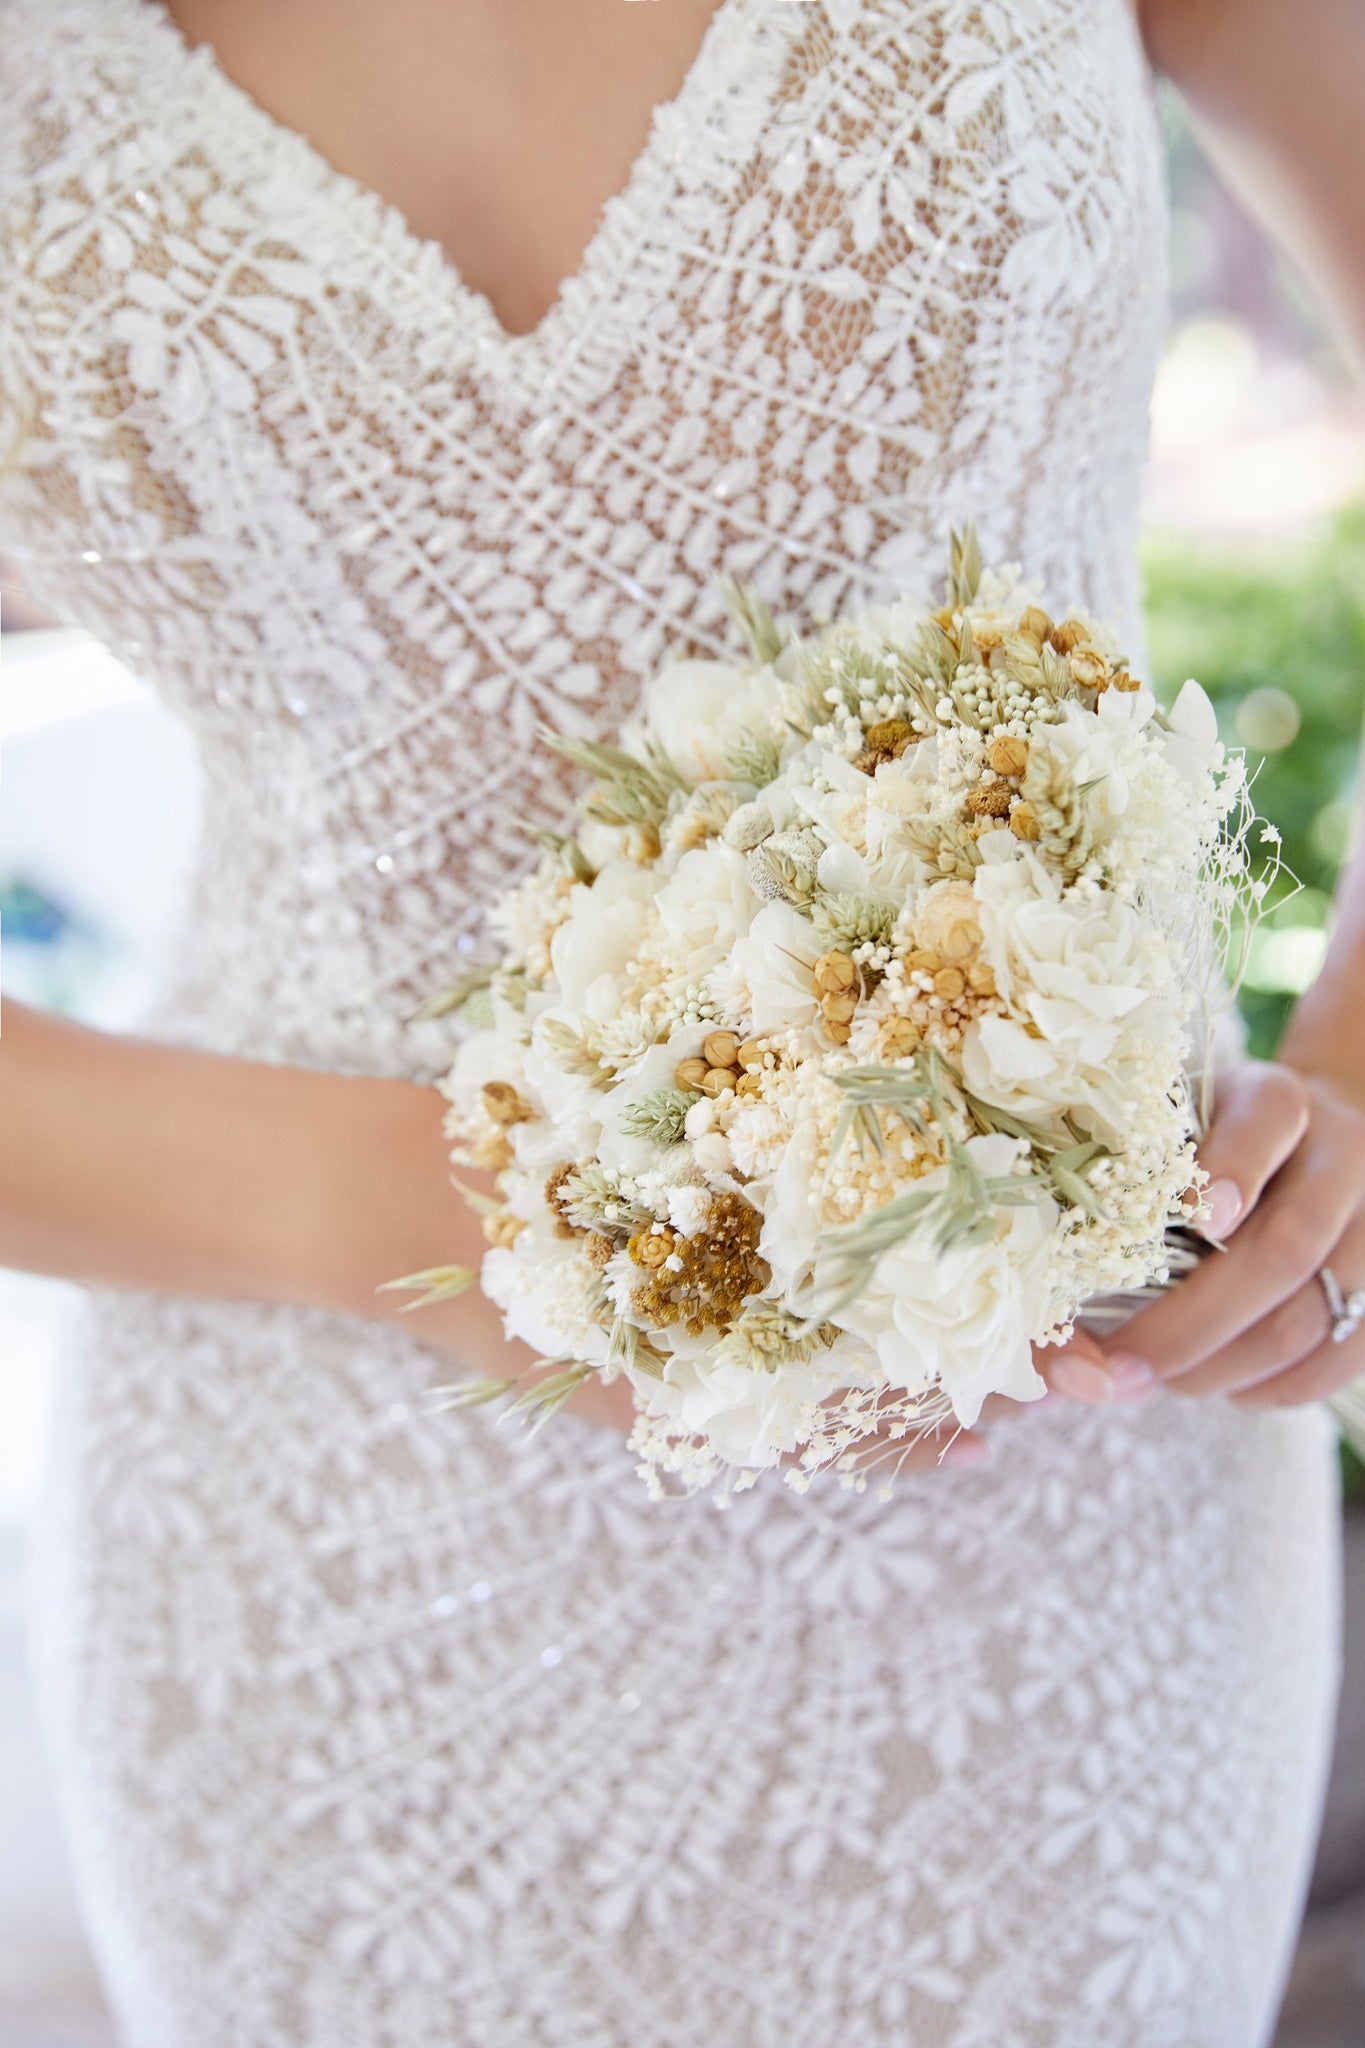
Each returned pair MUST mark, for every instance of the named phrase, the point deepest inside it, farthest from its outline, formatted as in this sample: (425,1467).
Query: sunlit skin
(141,1165)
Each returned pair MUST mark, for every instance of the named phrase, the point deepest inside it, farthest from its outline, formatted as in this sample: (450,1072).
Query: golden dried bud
(923,962)
(652,1247)
(1024,821)
(720,1049)
(1036,624)
(981,978)
(503,1103)
(749,1084)
(599,1249)
(949,982)
(503,1229)
(492,1154)
(900,1037)
(960,941)
(1123,680)
(840,1033)
(691,1073)
(838,1006)
(989,800)
(718,1079)
(750,1054)
(833,973)
(890,737)
(1008,756)
(1070,633)
(1089,667)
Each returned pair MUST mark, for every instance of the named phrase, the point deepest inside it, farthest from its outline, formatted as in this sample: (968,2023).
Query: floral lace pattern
(389,1729)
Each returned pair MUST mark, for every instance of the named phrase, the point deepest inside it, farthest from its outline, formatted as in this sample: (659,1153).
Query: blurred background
(1255,560)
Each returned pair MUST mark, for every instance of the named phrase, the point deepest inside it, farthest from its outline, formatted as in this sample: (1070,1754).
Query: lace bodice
(880,265)
(378,1727)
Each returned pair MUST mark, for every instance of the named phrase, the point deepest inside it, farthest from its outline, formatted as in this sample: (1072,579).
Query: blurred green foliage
(1276,635)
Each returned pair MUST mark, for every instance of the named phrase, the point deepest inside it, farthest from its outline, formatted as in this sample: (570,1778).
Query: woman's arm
(129,1163)
(1277,91)
(137,1164)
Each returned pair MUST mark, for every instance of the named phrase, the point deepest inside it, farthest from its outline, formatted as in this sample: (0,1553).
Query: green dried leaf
(964,566)
(439,1283)
(755,623)
(456,996)
(845,919)
(659,1117)
(568,851)
(469,1393)
(630,791)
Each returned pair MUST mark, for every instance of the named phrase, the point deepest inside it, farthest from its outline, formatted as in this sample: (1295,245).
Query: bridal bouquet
(850,1045)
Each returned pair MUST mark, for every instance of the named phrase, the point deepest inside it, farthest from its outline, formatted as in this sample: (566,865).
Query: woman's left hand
(1285,1156)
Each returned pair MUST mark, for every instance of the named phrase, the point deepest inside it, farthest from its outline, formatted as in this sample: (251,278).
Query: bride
(384,383)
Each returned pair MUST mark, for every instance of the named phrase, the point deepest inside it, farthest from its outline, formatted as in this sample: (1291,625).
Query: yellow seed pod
(750,1083)
(720,1048)
(1024,821)
(1122,680)
(651,1248)
(988,800)
(1070,633)
(691,1073)
(960,942)
(949,982)
(503,1229)
(750,1054)
(981,978)
(840,1033)
(718,1079)
(491,1154)
(921,961)
(1007,755)
(503,1103)
(900,1037)
(833,973)
(838,1006)
(1036,624)
(891,736)
(1089,667)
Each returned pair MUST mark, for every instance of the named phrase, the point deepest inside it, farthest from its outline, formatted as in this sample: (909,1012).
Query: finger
(1317,1377)
(1080,1370)
(1294,1329)
(1260,1118)
(1274,1253)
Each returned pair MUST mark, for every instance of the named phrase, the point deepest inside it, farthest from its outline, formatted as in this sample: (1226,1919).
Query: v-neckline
(671,122)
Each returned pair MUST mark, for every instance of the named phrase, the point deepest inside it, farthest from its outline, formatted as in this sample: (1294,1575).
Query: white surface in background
(99,806)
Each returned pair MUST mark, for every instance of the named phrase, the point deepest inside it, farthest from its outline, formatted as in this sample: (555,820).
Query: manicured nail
(1224,1199)
(1080,1381)
(967,1450)
(1132,1376)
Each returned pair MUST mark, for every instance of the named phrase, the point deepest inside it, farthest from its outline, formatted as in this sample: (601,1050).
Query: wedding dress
(399,1730)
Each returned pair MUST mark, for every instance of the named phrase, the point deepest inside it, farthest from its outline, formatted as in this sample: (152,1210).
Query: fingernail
(1081,1382)
(1132,1376)
(967,1450)
(1224,1200)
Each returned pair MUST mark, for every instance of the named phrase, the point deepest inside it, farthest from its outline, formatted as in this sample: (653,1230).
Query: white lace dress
(378,1730)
